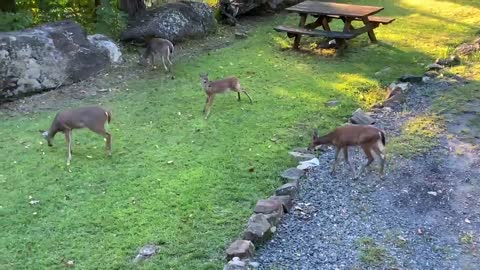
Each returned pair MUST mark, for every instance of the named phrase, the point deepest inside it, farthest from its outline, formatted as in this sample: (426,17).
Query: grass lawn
(100,210)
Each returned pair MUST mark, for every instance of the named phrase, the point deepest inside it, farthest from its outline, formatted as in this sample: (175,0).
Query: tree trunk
(132,7)
(8,5)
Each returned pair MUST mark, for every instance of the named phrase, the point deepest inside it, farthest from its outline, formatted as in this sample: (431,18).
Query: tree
(8,5)
(132,7)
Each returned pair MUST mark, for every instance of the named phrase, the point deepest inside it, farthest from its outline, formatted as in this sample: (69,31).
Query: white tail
(212,88)
(158,46)
(370,138)
(93,118)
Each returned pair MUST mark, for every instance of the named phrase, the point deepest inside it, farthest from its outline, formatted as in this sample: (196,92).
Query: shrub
(15,21)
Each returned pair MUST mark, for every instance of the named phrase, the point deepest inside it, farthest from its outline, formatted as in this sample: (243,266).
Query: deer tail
(382,135)
(109,116)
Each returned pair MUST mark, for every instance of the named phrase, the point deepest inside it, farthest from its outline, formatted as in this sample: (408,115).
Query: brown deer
(369,138)
(157,46)
(93,118)
(212,88)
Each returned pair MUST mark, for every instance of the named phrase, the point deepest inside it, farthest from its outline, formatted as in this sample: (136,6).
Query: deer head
(312,144)
(204,80)
(46,136)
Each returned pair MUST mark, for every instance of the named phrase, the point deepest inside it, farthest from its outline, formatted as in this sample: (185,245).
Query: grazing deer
(212,88)
(157,46)
(370,138)
(93,118)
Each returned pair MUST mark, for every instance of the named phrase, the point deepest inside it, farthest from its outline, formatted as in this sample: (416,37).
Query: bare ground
(424,215)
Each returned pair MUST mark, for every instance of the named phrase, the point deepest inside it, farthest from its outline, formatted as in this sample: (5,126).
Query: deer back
(89,117)
(223,85)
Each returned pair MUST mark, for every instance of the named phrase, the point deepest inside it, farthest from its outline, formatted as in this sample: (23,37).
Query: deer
(157,46)
(212,88)
(93,118)
(368,137)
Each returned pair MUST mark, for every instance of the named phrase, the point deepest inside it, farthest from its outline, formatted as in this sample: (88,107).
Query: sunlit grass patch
(419,135)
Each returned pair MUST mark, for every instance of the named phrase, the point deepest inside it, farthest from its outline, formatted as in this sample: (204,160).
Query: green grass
(371,254)
(101,210)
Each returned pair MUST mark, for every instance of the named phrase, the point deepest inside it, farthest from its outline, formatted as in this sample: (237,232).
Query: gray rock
(146,252)
(236,264)
(104,43)
(286,201)
(268,206)
(411,78)
(361,118)
(45,57)
(242,249)
(403,86)
(451,61)
(173,21)
(301,156)
(431,74)
(290,189)
(292,173)
(258,229)
(434,66)
(332,103)
(240,35)
(275,217)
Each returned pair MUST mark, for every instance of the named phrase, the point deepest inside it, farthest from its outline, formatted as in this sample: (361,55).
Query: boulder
(285,200)
(258,229)
(173,21)
(235,264)
(361,118)
(451,61)
(301,156)
(242,249)
(108,46)
(290,189)
(411,78)
(45,57)
(272,209)
(434,66)
(292,174)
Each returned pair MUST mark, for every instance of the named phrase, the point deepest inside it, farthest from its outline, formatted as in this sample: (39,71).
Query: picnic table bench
(325,12)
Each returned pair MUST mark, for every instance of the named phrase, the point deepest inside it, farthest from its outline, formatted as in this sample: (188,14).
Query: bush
(110,21)
(15,21)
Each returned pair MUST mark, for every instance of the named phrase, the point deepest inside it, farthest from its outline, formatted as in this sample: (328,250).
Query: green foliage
(110,21)
(15,21)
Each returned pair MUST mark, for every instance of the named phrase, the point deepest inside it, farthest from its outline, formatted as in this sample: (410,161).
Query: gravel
(424,215)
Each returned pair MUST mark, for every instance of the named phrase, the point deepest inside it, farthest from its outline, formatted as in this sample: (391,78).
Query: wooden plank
(373,19)
(329,8)
(316,33)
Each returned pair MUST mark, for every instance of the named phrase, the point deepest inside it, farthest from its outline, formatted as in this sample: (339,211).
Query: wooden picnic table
(325,12)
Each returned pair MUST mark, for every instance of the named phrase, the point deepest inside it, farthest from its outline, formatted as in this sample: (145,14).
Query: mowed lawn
(184,183)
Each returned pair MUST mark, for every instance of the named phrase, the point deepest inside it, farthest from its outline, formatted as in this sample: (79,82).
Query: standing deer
(157,46)
(212,88)
(369,138)
(93,118)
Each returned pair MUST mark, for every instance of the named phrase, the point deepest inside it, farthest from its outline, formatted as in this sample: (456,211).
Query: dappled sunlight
(418,135)
(365,91)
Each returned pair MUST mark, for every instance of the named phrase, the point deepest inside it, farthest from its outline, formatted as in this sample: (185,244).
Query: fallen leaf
(467,220)
(170,162)
(432,193)
(89,156)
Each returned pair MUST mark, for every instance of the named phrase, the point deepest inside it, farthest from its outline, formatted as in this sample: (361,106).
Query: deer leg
(246,93)
(206,102)
(100,130)
(238,93)
(152,60)
(165,66)
(382,159)
(68,134)
(334,167)
(368,153)
(345,154)
(209,105)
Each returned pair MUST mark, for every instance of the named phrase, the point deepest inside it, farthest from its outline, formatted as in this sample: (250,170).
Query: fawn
(160,46)
(369,138)
(93,118)
(212,88)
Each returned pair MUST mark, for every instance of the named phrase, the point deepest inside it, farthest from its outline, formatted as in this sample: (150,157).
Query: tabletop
(330,8)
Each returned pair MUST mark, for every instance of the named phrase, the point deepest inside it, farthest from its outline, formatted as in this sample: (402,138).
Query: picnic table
(325,12)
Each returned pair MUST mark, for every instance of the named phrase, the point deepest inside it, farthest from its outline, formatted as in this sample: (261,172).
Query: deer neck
(326,139)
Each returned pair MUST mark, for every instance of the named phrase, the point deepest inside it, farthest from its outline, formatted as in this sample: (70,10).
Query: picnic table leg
(321,21)
(296,41)
(370,26)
